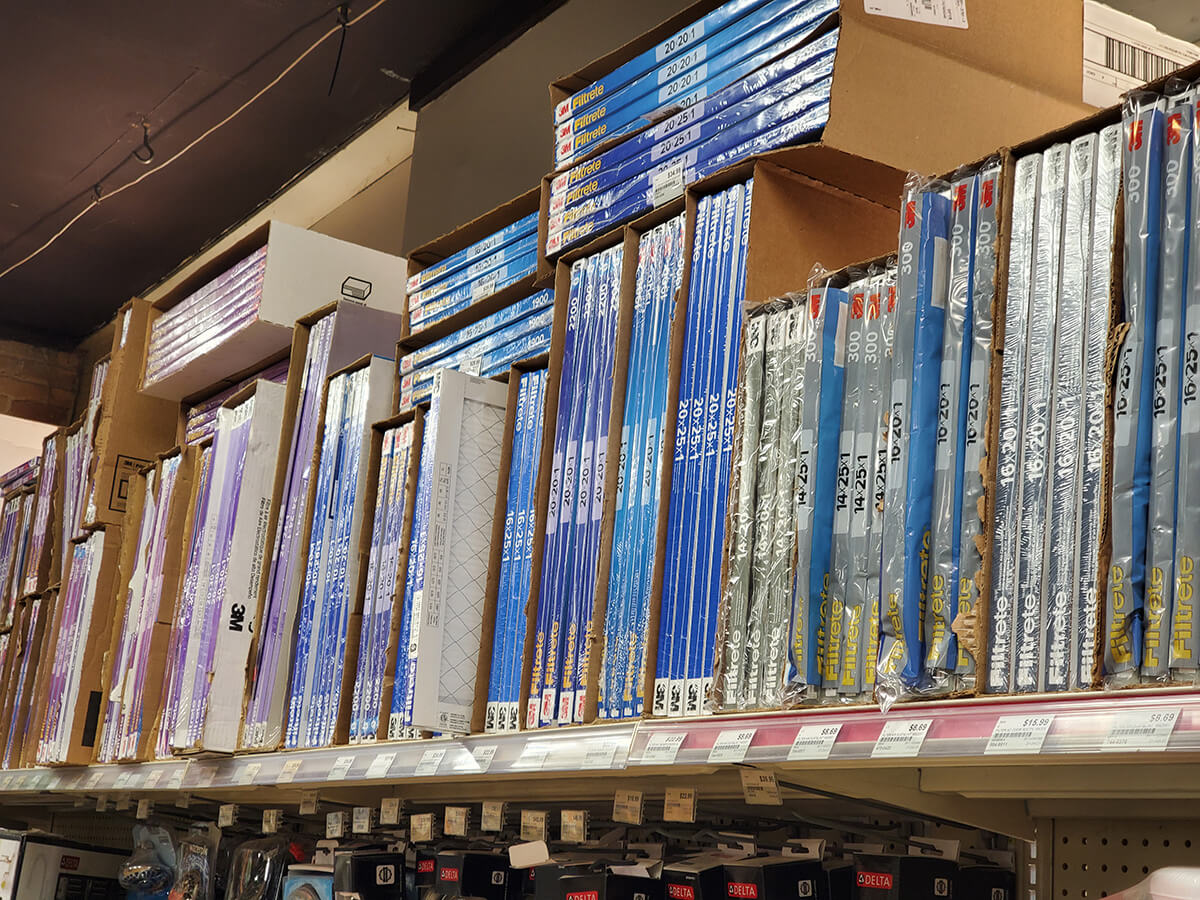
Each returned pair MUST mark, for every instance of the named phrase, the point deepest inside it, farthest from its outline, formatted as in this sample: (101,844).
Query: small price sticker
(93,779)
(122,780)
(389,811)
(573,825)
(360,820)
(430,761)
(600,756)
(205,775)
(144,808)
(661,749)
(308,803)
(227,815)
(760,788)
(901,737)
(1141,729)
(248,773)
(627,807)
(483,756)
(1018,734)
(667,184)
(272,819)
(493,816)
(153,778)
(102,803)
(474,365)
(533,825)
(457,820)
(341,768)
(287,774)
(124,802)
(680,805)
(731,746)
(176,780)
(420,826)
(335,824)
(533,756)
(814,742)
(183,800)
(381,765)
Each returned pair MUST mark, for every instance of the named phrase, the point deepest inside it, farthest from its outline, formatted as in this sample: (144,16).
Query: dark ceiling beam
(499,30)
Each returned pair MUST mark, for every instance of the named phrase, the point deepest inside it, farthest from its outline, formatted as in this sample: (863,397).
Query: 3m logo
(881,881)
(448,873)
(681,892)
(856,306)
(989,193)
(743,890)
(424,866)
(910,214)
(584,895)
(1174,128)
(891,298)
(873,306)
(68,863)
(815,304)
(960,198)
(1135,134)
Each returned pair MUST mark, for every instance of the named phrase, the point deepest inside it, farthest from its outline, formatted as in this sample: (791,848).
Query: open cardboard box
(25,746)
(304,270)
(40,562)
(26,652)
(435,251)
(1015,72)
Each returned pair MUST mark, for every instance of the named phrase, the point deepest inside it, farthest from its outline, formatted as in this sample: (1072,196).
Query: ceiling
(79,79)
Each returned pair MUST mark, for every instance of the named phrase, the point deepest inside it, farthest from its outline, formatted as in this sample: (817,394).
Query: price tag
(144,808)
(93,779)
(308,803)
(5,782)
(814,741)
(360,821)
(731,746)
(760,788)
(667,184)
(389,811)
(124,801)
(335,824)
(341,768)
(176,780)
(533,756)
(484,755)
(573,825)
(493,816)
(1141,729)
(288,773)
(627,807)
(473,366)
(381,765)
(680,805)
(184,800)
(430,760)
(272,818)
(122,780)
(153,778)
(533,825)
(457,819)
(226,815)
(901,737)
(102,803)
(1018,734)
(205,775)
(600,756)
(662,748)
(248,773)
(421,827)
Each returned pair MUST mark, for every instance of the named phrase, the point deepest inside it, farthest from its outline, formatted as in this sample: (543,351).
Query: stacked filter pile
(703,454)
(486,348)
(639,479)
(747,78)
(202,418)
(445,581)
(122,719)
(563,639)
(516,557)
(328,616)
(392,503)
(1053,379)
(78,463)
(30,636)
(41,516)
(486,267)
(205,319)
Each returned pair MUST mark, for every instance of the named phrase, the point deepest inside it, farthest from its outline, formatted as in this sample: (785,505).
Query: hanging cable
(341,26)
(343,19)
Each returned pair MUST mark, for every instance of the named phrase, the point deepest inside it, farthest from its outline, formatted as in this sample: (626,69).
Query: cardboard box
(769,877)
(477,229)
(879,876)
(357,331)
(25,748)
(304,270)
(198,413)
(133,427)
(43,558)
(465,873)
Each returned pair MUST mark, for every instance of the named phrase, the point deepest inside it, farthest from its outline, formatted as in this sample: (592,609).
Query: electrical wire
(101,198)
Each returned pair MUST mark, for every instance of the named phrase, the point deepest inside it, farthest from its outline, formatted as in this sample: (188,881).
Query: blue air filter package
(1001,622)
(513,269)
(1160,550)
(1095,398)
(489,245)
(1133,399)
(1185,650)
(432,353)
(476,277)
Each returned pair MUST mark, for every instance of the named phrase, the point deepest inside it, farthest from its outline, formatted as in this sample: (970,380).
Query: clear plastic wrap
(257,869)
(197,856)
(150,868)
(1142,159)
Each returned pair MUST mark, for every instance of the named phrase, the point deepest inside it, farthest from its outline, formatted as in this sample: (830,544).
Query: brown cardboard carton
(41,561)
(25,746)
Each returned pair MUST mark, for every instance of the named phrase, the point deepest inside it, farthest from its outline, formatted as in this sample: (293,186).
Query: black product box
(466,873)
(547,876)
(985,883)
(776,878)
(426,868)
(369,874)
(694,879)
(879,876)
(609,886)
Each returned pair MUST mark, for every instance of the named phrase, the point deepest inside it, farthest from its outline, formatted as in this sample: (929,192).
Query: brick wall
(37,382)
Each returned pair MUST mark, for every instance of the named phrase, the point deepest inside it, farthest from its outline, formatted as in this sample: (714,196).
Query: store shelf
(964,733)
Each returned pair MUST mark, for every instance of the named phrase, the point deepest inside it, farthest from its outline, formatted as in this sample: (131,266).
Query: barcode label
(1141,65)
(952,13)
(1120,52)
